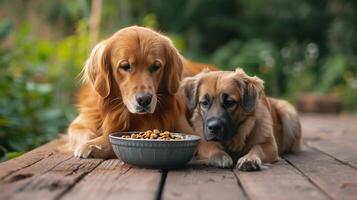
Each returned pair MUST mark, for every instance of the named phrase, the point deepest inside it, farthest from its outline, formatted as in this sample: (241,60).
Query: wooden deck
(325,169)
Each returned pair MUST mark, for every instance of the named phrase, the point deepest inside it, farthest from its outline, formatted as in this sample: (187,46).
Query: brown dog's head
(135,64)
(223,100)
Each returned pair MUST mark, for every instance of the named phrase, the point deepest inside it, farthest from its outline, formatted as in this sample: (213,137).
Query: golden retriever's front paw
(249,163)
(221,159)
(84,150)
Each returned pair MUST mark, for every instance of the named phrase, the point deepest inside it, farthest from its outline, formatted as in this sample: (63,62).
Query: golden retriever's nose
(143,99)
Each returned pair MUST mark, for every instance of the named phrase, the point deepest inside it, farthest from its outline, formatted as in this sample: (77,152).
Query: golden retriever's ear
(98,70)
(173,69)
(251,89)
(189,87)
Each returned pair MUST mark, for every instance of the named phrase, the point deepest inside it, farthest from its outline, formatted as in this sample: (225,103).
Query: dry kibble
(154,134)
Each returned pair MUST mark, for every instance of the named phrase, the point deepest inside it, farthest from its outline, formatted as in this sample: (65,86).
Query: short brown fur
(268,130)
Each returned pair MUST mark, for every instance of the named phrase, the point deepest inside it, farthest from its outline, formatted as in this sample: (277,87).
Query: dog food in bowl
(154,134)
(154,148)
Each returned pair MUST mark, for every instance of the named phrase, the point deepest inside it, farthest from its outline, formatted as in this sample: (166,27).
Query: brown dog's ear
(189,87)
(97,69)
(251,90)
(173,69)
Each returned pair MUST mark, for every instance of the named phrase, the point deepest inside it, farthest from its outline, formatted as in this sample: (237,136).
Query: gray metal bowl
(154,153)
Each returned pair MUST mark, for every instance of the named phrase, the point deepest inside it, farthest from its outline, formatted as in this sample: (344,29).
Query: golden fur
(106,98)
(269,128)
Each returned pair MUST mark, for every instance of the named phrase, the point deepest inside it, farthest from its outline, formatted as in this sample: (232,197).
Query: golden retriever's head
(137,65)
(222,99)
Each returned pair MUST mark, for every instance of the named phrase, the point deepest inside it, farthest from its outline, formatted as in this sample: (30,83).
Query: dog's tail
(289,118)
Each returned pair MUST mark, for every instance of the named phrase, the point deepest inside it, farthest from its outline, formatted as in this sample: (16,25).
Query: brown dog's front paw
(249,163)
(220,159)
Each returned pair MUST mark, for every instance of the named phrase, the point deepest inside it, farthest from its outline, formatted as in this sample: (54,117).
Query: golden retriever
(237,120)
(130,83)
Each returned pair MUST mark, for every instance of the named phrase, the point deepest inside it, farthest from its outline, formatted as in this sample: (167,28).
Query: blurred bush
(295,46)
(36,80)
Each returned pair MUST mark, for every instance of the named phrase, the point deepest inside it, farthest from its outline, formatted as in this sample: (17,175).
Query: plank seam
(348,163)
(309,179)
(245,194)
(161,185)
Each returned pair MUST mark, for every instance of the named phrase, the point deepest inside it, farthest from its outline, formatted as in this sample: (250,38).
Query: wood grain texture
(339,149)
(28,159)
(325,169)
(200,182)
(333,135)
(278,181)
(113,179)
(337,180)
(47,179)
(36,169)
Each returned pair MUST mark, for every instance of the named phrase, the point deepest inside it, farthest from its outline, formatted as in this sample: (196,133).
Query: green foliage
(295,46)
(36,82)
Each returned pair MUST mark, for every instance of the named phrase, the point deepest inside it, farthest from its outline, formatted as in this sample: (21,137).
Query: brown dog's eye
(229,103)
(204,103)
(125,66)
(154,67)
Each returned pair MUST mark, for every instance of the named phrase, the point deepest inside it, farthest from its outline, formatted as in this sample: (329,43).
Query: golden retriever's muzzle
(143,102)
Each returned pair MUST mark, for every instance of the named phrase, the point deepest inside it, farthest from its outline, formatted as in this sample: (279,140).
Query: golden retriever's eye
(125,66)
(154,67)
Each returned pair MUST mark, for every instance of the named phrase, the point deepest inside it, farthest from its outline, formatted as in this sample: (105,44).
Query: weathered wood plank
(329,127)
(113,179)
(279,181)
(327,168)
(49,179)
(36,169)
(339,149)
(198,182)
(28,159)
(332,135)
(337,180)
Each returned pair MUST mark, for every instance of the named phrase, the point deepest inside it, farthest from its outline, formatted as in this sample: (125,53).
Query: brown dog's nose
(215,126)
(143,99)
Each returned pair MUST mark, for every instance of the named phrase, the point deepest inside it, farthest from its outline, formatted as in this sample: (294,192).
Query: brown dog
(131,83)
(237,120)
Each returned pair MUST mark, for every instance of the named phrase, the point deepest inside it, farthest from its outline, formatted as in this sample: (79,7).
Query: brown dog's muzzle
(219,125)
(214,129)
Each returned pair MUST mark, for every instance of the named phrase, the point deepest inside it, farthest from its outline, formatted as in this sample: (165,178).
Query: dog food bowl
(153,153)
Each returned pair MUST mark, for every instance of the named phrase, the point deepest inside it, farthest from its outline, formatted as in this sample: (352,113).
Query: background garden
(295,46)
